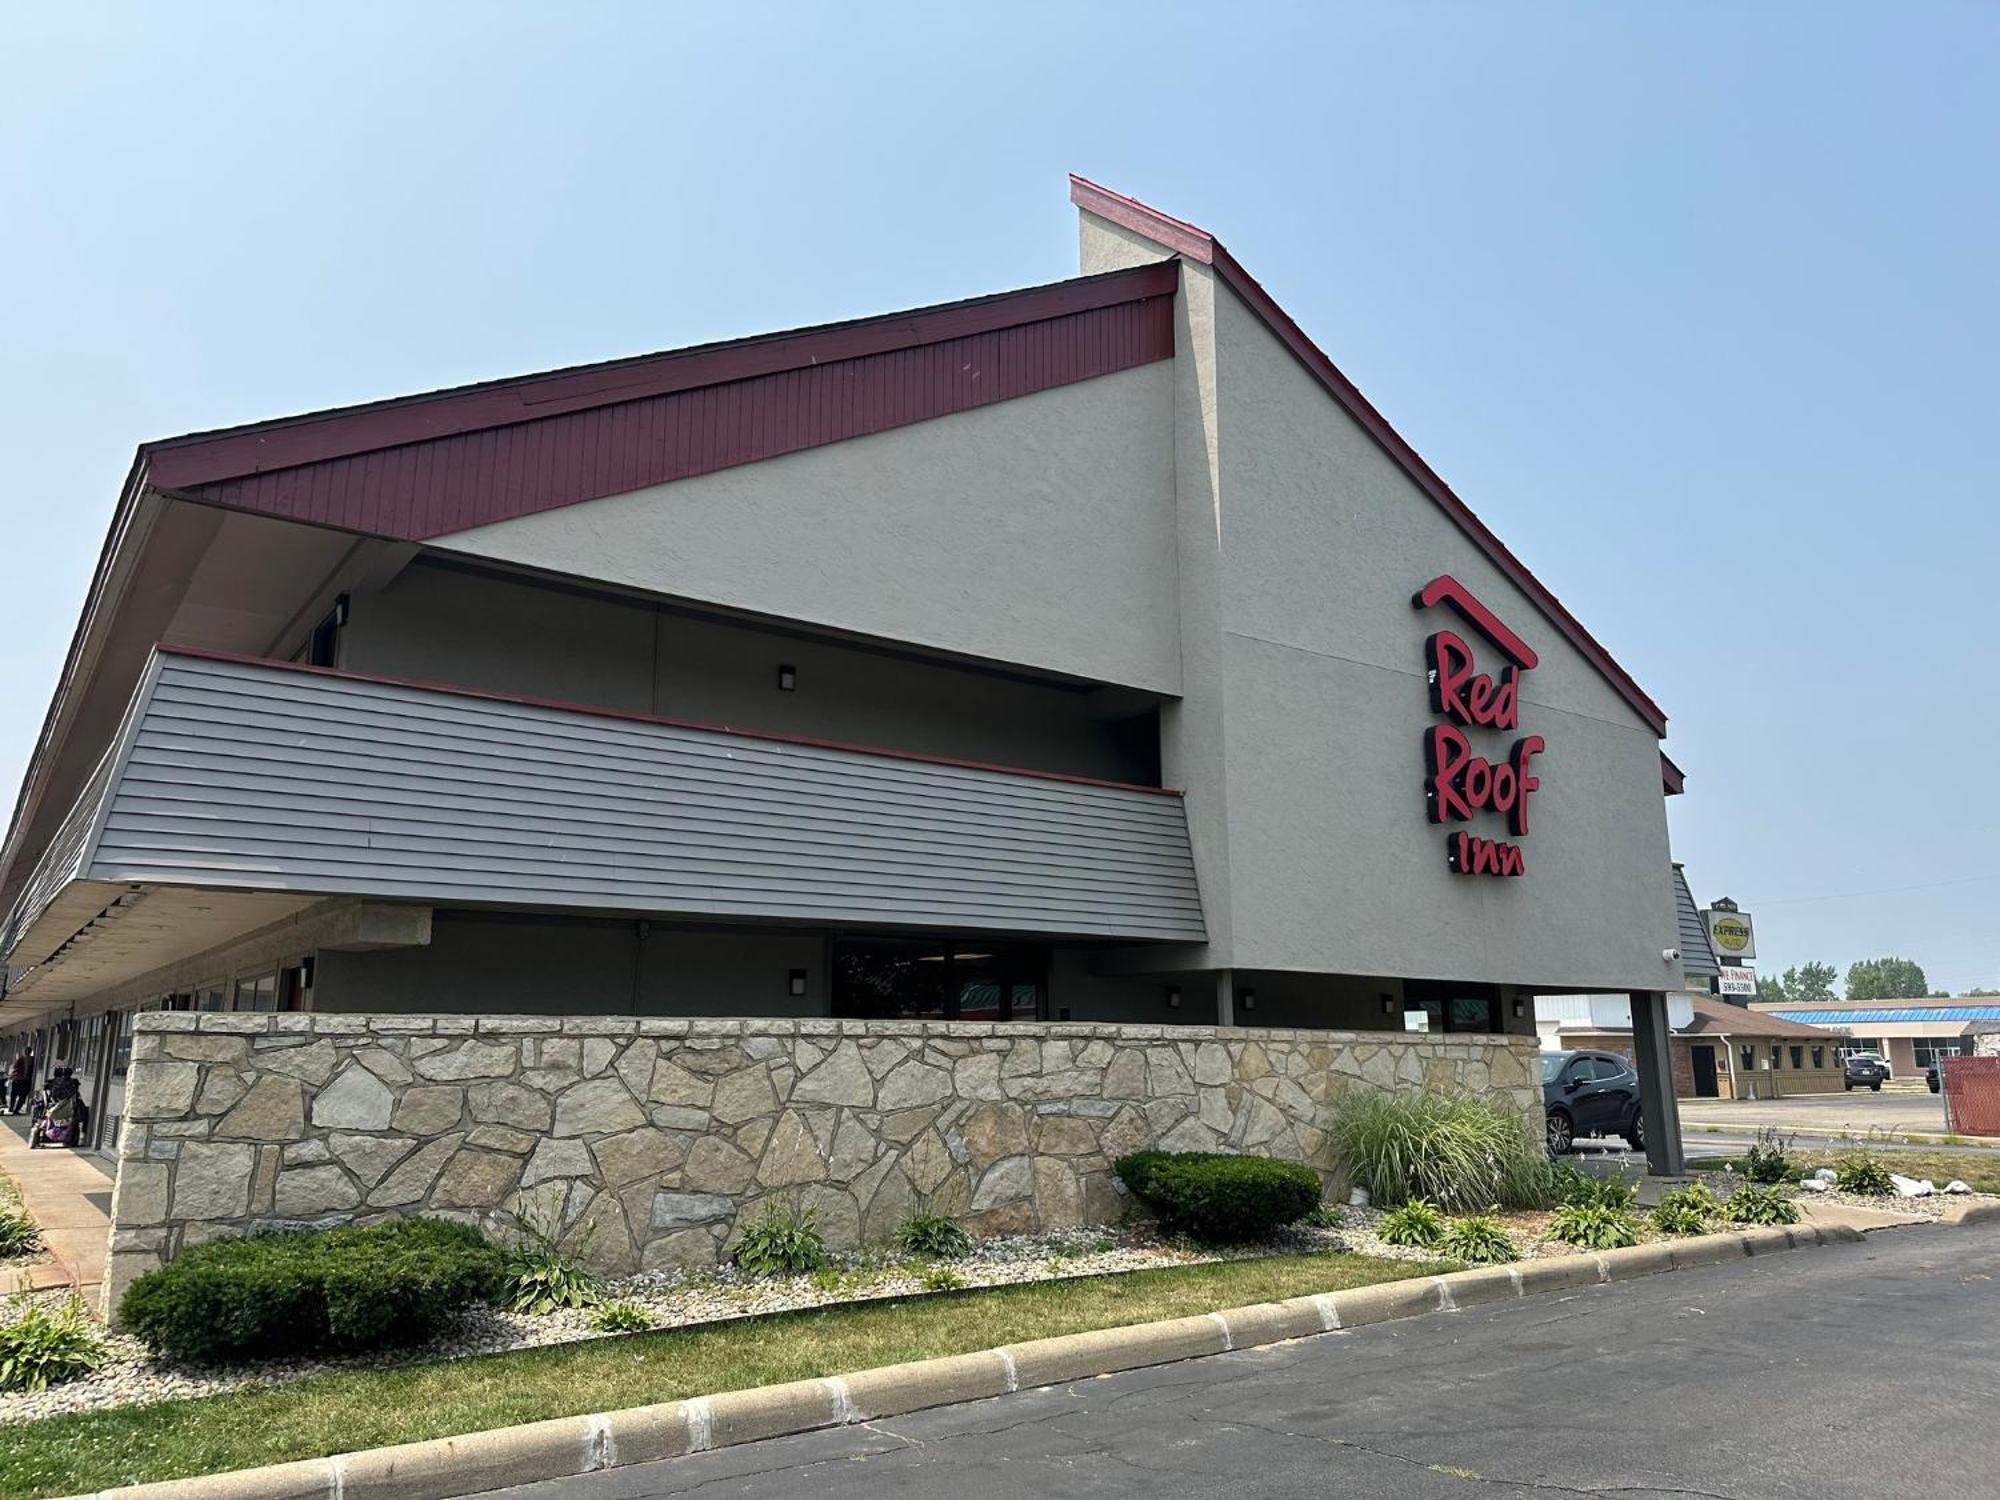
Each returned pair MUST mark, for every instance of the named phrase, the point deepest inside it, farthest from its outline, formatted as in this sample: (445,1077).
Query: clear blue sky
(1697,305)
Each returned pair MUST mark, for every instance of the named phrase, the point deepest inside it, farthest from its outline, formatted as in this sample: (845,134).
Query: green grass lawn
(365,1409)
(1979,1170)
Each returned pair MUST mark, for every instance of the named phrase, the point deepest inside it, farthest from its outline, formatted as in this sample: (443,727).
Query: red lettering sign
(1460,783)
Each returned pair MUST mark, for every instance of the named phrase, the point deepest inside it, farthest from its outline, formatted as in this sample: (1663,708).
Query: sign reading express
(1461,784)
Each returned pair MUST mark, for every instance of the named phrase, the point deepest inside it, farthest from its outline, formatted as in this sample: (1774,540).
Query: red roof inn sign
(1459,783)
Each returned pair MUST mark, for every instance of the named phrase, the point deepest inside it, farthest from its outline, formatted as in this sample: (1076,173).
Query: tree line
(1867,979)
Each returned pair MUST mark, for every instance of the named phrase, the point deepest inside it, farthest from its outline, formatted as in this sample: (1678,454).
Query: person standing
(20,1082)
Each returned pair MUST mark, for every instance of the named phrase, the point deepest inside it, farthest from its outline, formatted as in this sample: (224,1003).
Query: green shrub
(45,1346)
(1755,1204)
(935,1236)
(941,1279)
(1858,1172)
(1455,1150)
(1478,1240)
(1416,1224)
(620,1317)
(1689,1210)
(311,1290)
(1594,1226)
(782,1242)
(1769,1160)
(18,1234)
(1226,1199)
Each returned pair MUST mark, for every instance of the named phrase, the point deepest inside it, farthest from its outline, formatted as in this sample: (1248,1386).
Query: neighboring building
(1724,1051)
(1053,656)
(1909,1035)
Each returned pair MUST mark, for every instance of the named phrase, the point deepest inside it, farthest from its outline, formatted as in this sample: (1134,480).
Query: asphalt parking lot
(1859,1113)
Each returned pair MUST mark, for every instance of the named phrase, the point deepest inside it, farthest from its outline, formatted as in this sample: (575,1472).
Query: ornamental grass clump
(1457,1151)
(1478,1240)
(311,1291)
(44,1344)
(1218,1198)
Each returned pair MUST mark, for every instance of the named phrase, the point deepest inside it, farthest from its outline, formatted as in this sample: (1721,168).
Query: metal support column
(1652,1050)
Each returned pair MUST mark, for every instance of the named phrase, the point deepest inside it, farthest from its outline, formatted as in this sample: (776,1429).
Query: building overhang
(238,791)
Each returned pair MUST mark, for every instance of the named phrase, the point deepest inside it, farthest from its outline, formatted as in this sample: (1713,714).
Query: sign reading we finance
(1460,783)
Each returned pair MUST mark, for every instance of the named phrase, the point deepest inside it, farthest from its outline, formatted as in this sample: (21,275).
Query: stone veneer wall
(657,1137)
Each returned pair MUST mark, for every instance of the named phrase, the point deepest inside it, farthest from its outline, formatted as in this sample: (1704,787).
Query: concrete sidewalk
(68,1193)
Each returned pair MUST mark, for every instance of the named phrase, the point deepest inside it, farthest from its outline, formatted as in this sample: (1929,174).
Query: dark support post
(1652,1051)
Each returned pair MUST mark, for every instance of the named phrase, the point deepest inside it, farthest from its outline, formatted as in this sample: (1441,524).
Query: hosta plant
(43,1345)
(1689,1210)
(1858,1172)
(782,1242)
(1593,1226)
(1416,1224)
(1753,1203)
(935,1236)
(1478,1240)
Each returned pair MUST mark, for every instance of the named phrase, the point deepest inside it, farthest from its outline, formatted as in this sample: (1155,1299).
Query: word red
(1476,856)
(1460,784)
(1460,691)
(1463,784)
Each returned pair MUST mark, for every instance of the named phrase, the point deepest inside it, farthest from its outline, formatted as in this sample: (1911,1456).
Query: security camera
(1670,955)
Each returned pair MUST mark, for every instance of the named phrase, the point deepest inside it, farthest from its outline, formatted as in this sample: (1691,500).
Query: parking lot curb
(1961,1211)
(565,1447)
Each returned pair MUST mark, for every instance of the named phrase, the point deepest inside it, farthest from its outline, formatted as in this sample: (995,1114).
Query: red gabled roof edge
(1196,244)
(201,458)
(1672,777)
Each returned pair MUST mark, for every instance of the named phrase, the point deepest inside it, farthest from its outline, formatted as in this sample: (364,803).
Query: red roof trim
(1199,245)
(208,457)
(597,711)
(1672,777)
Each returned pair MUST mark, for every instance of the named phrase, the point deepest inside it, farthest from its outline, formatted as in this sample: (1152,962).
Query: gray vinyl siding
(1697,958)
(256,777)
(64,859)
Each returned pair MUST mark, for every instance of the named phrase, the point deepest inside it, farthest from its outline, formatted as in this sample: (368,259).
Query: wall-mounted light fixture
(1519,1009)
(1249,999)
(796,983)
(788,677)
(1388,1005)
(1173,997)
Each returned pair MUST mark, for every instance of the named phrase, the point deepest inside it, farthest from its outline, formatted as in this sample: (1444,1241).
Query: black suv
(1590,1093)
(1864,1070)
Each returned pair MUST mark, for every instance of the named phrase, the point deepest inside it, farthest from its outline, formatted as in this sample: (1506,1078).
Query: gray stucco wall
(448,624)
(1303,720)
(1333,864)
(1036,531)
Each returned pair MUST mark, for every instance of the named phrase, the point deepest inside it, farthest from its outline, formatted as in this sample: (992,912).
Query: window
(1749,1058)
(1930,1050)
(1777,1056)
(1819,1057)
(1798,1057)
(214,996)
(897,979)
(258,993)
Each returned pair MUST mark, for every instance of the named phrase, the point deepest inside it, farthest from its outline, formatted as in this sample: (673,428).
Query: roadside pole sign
(1735,980)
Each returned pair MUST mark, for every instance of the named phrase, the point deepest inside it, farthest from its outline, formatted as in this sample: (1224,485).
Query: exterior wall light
(788,678)
(797,983)
(1388,1005)
(1249,998)
(1519,1009)
(1173,997)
